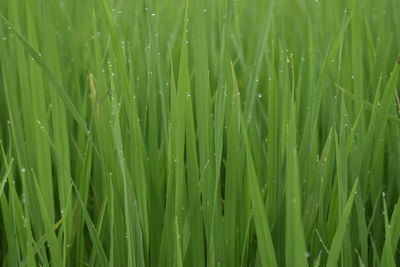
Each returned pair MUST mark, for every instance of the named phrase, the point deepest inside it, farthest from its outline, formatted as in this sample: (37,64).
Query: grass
(199,133)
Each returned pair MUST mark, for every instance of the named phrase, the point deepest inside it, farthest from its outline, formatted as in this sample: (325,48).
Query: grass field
(199,133)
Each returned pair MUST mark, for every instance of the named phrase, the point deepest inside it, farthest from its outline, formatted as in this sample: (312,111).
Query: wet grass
(199,133)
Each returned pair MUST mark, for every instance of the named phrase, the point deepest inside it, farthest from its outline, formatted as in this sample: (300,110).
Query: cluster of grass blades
(199,133)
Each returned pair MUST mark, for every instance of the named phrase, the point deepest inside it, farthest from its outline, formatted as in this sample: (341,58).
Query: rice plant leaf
(336,245)
(5,176)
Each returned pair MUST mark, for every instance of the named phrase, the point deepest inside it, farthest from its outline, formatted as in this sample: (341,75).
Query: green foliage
(199,133)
